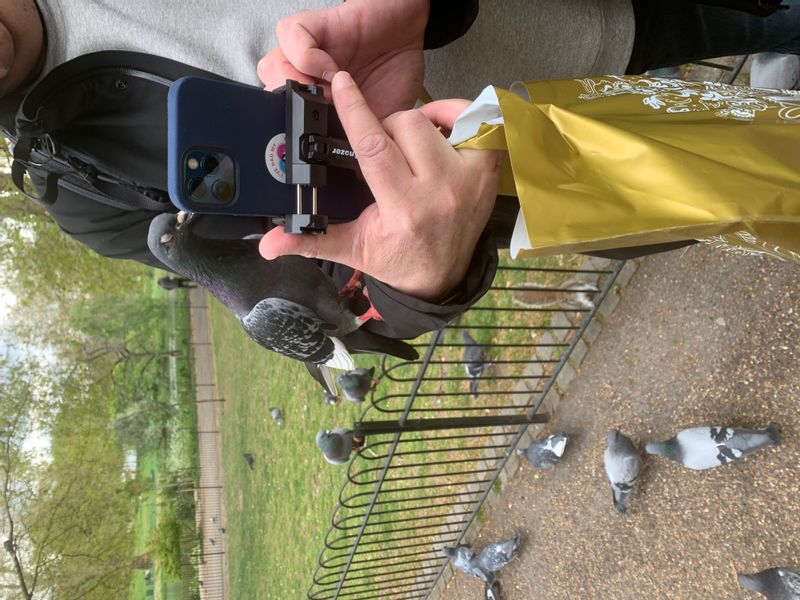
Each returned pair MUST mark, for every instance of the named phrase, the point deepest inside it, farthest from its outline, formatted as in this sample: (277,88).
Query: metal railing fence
(410,493)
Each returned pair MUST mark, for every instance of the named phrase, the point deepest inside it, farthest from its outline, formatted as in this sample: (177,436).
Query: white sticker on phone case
(275,157)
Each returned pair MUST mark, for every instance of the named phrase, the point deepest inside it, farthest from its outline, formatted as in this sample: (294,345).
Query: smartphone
(226,154)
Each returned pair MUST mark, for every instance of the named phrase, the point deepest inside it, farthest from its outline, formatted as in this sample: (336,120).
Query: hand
(378,41)
(431,201)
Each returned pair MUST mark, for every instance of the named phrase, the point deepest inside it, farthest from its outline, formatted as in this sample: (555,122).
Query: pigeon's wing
(495,556)
(790,578)
(474,361)
(704,447)
(621,468)
(291,329)
(745,441)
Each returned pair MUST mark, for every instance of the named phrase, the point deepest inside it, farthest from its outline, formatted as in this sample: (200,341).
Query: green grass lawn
(145,523)
(279,512)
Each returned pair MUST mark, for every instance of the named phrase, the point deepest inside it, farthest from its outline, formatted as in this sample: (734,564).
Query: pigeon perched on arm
(546,452)
(277,415)
(356,383)
(623,463)
(464,559)
(706,447)
(338,444)
(287,304)
(248,458)
(474,361)
(778,583)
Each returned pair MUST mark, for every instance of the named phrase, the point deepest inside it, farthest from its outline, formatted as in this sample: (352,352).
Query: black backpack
(92,136)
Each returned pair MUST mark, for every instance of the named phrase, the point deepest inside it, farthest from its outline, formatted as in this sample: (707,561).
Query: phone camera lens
(222,191)
(197,187)
(210,163)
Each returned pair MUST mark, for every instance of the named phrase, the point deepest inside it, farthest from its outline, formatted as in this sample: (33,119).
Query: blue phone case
(242,128)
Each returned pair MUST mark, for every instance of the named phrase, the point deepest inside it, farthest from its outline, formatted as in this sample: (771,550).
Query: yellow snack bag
(612,162)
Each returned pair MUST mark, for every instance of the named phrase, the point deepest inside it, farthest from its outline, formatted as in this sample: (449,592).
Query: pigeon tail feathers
(774,434)
(341,358)
(322,375)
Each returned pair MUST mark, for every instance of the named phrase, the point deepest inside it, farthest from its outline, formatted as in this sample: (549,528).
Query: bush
(166,542)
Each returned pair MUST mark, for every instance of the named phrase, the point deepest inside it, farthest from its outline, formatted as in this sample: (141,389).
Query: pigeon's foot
(353,285)
(358,441)
(370,313)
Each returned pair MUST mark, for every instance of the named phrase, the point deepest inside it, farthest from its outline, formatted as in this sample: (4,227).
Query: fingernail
(328,76)
(343,80)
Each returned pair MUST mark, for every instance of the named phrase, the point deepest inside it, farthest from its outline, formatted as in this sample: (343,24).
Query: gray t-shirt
(520,40)
(511,40)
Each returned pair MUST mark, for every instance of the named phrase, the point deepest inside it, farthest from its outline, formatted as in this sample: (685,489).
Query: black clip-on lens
(309,153)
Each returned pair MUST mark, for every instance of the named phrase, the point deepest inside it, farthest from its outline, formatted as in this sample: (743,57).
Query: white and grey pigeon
(493,591)
(277,415)
(337,445)
(546,452)
(778,583)
(474,361)
(706,447)
(288,304)
(464,559)
(623,464)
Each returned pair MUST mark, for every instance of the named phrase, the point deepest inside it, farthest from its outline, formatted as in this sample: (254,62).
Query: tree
(66,518)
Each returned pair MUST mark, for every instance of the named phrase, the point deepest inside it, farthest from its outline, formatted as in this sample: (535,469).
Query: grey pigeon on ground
(288,304)
(623,463)
(778,583)
(330,399)
(248,458)
(494,557)
(464,559)
(546,452)
(706,447)
(356,383)
(337,445)
(277,415)
(474,361)
(493,591)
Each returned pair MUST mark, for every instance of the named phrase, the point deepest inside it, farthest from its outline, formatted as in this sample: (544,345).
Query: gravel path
(698,338)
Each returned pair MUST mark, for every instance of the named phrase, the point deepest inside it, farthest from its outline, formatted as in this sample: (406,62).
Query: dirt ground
(699,338)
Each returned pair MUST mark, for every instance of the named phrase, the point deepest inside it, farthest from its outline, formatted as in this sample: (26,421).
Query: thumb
(443,113)
(336,245)
(298,39)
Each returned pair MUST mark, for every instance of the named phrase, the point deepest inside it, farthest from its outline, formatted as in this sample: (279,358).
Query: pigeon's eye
(166,239)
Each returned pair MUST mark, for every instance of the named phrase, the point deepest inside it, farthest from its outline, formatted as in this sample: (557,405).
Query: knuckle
(372,145)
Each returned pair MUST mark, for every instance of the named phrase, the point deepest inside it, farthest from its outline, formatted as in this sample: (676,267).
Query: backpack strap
(48,110)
